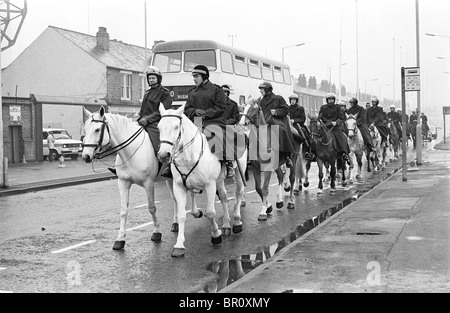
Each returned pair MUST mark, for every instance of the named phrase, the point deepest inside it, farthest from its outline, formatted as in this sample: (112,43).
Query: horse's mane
(121,122)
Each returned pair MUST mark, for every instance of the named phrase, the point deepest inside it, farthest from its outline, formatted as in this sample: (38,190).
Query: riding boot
(345,157)
(289,162)
(230,169)
(167,173)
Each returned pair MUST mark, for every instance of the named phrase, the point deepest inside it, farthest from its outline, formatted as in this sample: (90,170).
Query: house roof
(120,55)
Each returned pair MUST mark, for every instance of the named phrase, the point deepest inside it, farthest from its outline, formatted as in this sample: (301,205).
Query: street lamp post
(365,85)
(282,49)
(329,71)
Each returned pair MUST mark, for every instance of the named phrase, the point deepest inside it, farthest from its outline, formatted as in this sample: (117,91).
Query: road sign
(412,79)
(446,110)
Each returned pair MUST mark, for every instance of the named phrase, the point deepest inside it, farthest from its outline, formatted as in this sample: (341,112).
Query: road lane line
(6,291)
(140,226)
(74,246)
(2,268)
(230,198)
(144,205)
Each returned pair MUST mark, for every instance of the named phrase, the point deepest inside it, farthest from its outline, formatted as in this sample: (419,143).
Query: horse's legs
(150,188)
(266,206)
(169,184)
(124,190)
(280,177)
(308,167)
(320,166)
(351,166)
(240,193)
(360,165)
(256,169)
(216,233)
(181,198)
(333,178)
(223,195)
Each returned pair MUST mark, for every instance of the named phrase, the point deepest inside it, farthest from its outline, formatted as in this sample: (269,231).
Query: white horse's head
(97,133)
(249,115)
(350,122)
(169,131)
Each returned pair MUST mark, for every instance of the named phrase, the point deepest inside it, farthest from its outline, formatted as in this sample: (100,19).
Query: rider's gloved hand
(143,121)
(200,112)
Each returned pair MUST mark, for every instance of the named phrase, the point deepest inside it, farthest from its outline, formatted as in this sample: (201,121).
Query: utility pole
(8,13)
(358,94)
(419,120)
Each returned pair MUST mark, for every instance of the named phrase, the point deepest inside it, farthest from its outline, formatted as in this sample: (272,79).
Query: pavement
(393,238)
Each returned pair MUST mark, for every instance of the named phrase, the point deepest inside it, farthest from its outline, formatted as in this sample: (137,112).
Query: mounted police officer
(298,118)
(376,117)
(332,116)
(275,111)
(206,102)
(231,115)
(395,118)
(361,121)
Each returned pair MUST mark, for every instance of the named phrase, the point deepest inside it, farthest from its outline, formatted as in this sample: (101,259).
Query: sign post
(445,111)
(410,82)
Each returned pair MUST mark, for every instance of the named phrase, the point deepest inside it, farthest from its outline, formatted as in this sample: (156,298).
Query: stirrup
(289,163)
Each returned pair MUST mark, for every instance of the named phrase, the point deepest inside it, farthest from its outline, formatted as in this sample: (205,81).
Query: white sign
(15,113)
(412,79)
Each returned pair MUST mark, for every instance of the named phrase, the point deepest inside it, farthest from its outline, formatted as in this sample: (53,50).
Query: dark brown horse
(322,139)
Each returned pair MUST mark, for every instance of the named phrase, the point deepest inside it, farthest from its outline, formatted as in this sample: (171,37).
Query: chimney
(103,39)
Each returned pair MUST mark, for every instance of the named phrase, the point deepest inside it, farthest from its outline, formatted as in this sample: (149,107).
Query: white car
(64,144)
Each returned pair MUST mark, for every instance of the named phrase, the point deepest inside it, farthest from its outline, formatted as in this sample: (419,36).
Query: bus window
(267,72)
(240,66)
(227,62)
(254,69)
(287,76)
(278,76)
(194,58)
(168,62)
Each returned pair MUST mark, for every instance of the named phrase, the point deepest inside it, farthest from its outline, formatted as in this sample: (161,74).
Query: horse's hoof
(216,241)
(332,191)
(119,244)
(296,192)
(174,228)
(306,185)
(287,189)
(178,252)
(350,181)
(291,206)
(280,205)
(262,217)
(344,184)
(269,209)
(226,231)
(156,237)
(320,192)
(199,214)
(243,203)
(237,229)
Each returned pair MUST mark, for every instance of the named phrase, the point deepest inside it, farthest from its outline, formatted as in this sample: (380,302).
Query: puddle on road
(230,270)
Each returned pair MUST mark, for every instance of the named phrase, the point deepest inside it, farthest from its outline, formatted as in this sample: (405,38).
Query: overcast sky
(328,28)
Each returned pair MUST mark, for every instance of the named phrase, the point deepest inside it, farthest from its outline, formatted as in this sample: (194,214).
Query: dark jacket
(412,118)
(150,103)
(332,113)
(231,113)
(150,111)
(272,101)
(210,98)
(376,116)
(297,114)
(357,109)
(394,116)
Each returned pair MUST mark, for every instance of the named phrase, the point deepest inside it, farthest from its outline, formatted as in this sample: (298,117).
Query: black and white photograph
(246,149)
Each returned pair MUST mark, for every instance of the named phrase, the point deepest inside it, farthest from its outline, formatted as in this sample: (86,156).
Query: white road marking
(2,268)
(74,246)
(230,198)
(5,291)
(144,205)
(140,226)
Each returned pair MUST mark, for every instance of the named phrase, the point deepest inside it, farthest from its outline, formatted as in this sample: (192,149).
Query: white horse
(136,161)
(357,147)
(377,157)
(195,168)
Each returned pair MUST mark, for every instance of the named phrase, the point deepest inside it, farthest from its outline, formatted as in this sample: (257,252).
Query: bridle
(355,129)
(316,136)
(100,153)
(177,149)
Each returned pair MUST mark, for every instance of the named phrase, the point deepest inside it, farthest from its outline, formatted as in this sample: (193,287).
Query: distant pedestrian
(51,146)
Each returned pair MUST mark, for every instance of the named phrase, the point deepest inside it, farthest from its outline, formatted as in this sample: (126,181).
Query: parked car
(432,133)
(64,144)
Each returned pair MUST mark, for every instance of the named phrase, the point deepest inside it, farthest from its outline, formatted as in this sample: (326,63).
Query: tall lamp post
(329,71)
(365,85)
(282,49)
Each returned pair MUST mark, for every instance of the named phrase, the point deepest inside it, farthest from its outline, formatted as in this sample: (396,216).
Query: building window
(126,85)
(142,87)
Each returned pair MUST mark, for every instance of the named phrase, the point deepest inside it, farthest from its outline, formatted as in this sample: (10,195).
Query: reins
(175,144)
